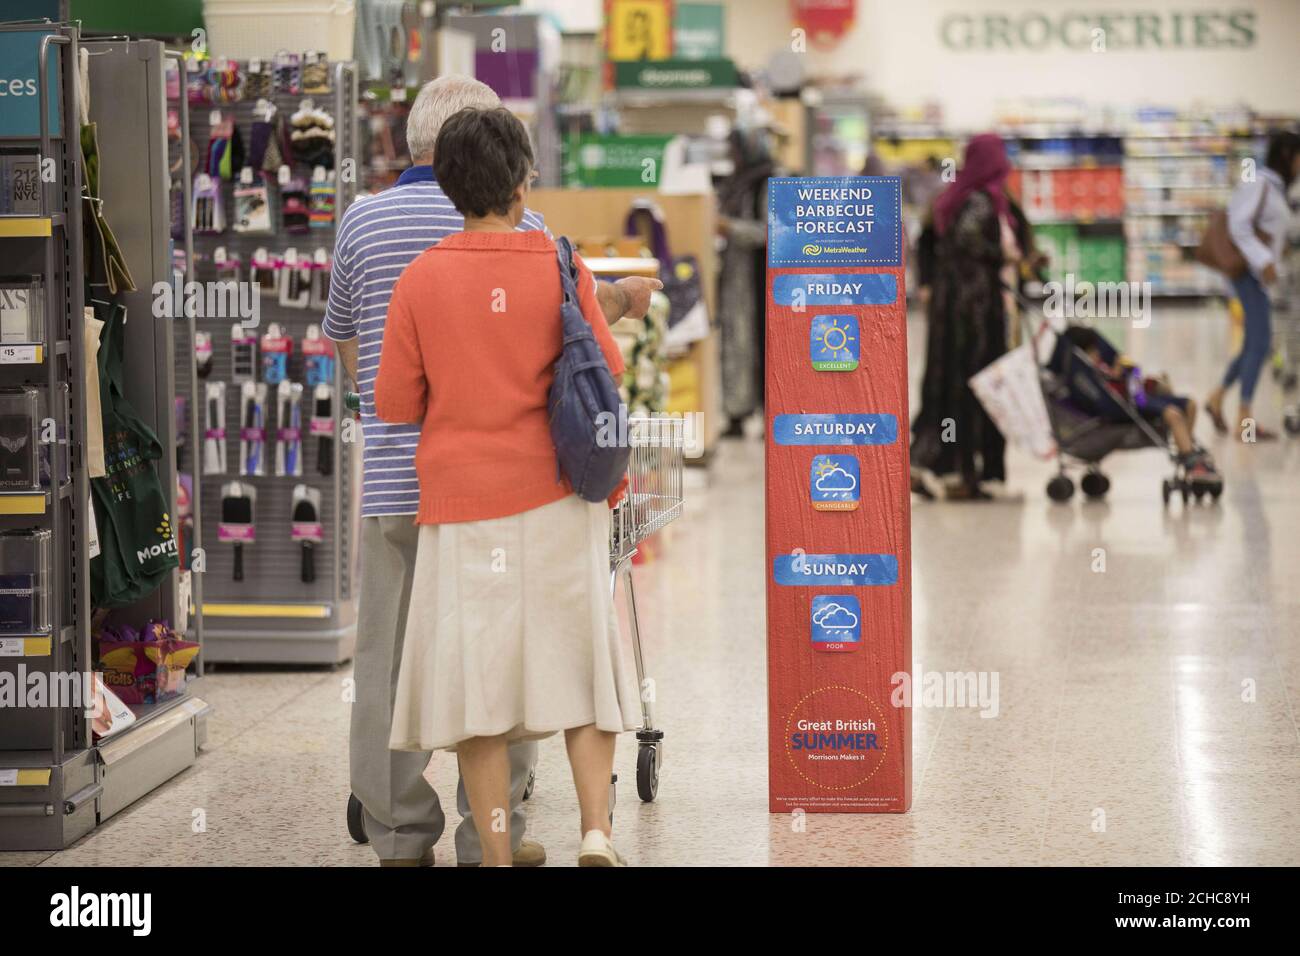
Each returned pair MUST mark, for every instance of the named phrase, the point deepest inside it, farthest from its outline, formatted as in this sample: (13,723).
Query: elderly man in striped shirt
(379,236)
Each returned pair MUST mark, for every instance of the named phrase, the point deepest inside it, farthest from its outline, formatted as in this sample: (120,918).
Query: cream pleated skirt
(511,630)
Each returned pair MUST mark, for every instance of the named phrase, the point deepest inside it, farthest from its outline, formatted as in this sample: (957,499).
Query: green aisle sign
(675,75)
(615,161)
(698,31)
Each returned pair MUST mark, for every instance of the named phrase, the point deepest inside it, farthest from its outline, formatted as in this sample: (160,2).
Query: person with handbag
(1245,243)
(511,633)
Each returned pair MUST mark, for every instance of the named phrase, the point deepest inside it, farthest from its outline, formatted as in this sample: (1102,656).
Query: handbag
(584,403)
(137,548)
(1218,251)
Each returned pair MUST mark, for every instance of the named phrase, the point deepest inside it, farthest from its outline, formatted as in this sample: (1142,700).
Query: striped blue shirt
(379,236)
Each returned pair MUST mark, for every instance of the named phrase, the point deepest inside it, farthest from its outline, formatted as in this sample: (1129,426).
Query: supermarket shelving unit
(56,781)
(1172,171)
(1176,172)
(272,616)
(49,779)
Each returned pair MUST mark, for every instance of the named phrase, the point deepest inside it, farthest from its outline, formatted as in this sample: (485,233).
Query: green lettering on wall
(1077,29)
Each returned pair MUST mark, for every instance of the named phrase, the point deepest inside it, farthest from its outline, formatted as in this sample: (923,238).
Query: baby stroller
(1090,419)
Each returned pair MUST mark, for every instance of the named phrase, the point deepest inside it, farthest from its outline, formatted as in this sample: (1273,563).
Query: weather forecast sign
(838,498)
(839,221)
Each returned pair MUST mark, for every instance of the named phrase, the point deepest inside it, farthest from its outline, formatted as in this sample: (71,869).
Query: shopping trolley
(654,498)
(1286,368)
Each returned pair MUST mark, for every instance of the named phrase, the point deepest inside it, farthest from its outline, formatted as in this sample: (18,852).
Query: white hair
(438,101)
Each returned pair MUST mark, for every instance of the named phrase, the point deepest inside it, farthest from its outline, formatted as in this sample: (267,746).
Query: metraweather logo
(77,909)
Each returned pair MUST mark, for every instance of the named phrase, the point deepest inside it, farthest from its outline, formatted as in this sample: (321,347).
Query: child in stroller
(1113,391)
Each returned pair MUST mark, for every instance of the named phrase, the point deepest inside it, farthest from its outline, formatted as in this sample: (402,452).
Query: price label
(11,647)
(19,354)
(8,778)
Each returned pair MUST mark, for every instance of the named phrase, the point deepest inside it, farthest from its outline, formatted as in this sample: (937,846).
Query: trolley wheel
(647,772)
(1289,381)
(356,820)
(1095,485)
(1292,423)
(532,782)
(1166,490)
(1060,488)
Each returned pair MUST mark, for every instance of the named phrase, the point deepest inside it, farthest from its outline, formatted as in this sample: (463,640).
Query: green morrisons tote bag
(137,548)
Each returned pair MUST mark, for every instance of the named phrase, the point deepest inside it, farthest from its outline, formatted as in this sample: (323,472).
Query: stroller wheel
(1060,488)
(1166,490)
(1187,492)
(1095,484)
(1292,423)
(647,772)
(356,820)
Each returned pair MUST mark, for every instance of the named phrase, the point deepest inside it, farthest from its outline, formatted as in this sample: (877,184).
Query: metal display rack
(272,616)
(56,781)
(48,774)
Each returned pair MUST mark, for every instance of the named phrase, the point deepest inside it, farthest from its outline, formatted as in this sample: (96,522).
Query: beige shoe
(598,850)
(530,853)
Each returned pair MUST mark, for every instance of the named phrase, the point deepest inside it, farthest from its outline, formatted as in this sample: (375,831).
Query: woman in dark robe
(742,282)
(952,434)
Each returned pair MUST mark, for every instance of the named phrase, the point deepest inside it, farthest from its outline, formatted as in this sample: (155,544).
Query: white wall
(896,45)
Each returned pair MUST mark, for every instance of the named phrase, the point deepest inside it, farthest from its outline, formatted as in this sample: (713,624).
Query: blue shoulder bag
(584,402)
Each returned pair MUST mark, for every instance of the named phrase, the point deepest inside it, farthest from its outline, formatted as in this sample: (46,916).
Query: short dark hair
(481,158)
(1282,149)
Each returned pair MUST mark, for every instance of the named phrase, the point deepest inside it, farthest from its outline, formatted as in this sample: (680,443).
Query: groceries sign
(1084,28)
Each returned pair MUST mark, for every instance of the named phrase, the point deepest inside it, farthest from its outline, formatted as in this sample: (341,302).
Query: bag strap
(568,271)
(1259,206)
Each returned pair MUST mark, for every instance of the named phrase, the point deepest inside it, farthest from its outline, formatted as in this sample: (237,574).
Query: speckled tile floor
(1121,693)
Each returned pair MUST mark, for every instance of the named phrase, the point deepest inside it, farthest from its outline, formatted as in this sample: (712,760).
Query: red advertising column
(839,625)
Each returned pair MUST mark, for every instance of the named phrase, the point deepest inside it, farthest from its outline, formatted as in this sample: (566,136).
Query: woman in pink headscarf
(951,434)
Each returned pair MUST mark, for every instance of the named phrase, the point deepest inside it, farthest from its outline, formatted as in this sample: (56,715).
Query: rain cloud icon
(835,617)
(837,479)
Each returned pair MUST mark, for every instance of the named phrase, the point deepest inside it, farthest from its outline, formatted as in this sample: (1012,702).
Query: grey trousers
(403,815)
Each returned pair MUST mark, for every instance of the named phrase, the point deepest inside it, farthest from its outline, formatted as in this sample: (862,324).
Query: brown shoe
(530,853)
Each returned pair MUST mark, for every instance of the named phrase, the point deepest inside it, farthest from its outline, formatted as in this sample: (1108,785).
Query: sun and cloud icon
(834,482)
(836,619)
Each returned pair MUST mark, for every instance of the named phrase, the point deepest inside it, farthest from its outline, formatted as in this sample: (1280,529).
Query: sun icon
(836,339)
